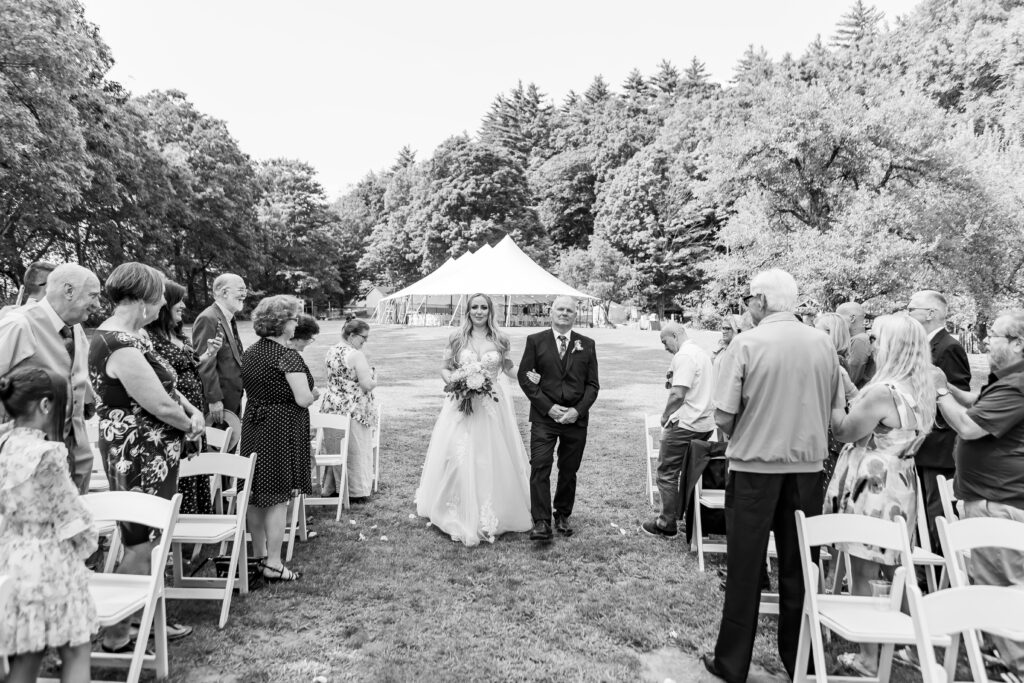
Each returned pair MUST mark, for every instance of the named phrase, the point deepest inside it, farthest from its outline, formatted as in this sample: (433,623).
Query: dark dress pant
(571,439)
(932,500)
(755,505)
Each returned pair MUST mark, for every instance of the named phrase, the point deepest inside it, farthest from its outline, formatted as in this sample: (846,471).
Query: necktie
(562,345)
(68,335)
(234,333)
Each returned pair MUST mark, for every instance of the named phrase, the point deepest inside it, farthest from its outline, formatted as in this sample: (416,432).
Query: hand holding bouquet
(466,382)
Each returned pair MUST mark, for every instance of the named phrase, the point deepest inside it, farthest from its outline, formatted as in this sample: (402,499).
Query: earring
(145,311)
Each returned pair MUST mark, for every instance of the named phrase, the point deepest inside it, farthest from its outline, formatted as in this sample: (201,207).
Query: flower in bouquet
(467,382)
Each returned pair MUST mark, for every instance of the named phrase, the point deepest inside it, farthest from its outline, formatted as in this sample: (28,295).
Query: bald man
(49,334)
(860,358)
(688,415)
(35,285)
(935,456)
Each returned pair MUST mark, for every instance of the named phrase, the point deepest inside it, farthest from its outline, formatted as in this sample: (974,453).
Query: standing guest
(350,385)
(275,426)
(875,473)
(935,456)
(776,387)
(688,415)
(49,334)
(46,533)
(730,328)
(222,379)
(860,359)
(171,344)
(836,328)
(990,457)
(34,288)
(306,331)
(144,420)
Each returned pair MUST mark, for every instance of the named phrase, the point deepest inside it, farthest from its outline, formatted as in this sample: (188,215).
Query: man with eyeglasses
(222,374)
(989,457)
(935,456)
(34,288)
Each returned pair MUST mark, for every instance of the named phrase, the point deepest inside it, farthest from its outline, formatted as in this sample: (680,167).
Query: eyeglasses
(911,309)
(365,337)
(999,336)
(746,299)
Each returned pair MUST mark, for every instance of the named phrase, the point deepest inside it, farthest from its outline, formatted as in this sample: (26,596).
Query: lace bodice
(491,360)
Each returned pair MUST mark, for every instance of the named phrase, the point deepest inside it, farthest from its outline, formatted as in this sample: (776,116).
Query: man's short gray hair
(224,280)
(935,300)
(779,290)
(67,273)
(1014,322)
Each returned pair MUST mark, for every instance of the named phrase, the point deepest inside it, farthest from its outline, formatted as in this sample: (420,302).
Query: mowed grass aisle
(418,606)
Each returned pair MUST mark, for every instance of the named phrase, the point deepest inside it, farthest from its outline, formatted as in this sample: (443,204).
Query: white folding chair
(652,437)
(324,456)
(962,612)
(118,596)
(376,449)
(922,550)
(98,478)
(858,619)
(214,529)
(952,509)
(6,594)
(960,538)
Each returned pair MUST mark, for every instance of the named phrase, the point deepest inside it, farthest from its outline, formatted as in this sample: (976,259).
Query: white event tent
(504,272)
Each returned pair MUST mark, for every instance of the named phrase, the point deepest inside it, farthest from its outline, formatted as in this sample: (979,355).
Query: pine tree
(598,91)
(571,100)
(635,88)
(519,122)
(696,73)
(406,158)
(862,21)
(755,66)
(667,78)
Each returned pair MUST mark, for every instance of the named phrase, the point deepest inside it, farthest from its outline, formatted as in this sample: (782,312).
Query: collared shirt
(931,335)
(227,314)
(567,335)
(992,467)
(51,315)
(780,381)
(691,368)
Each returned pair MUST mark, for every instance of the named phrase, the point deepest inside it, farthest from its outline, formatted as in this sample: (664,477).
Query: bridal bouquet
(466,382)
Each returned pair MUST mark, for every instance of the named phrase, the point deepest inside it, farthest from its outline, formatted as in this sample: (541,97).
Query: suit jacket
(571,382)
(28,338)
(950,357)
(222,374)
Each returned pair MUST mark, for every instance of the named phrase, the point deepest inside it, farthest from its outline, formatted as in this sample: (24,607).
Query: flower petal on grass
(362,537)
(384,538)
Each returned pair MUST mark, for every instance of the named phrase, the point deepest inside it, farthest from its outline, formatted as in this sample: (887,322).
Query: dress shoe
(562,525)
(709,663)
(541,531)
(652,528)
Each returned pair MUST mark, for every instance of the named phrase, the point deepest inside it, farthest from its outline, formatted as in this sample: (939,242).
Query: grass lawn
(418,606)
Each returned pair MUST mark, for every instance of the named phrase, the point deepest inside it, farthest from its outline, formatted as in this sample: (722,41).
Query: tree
(862,21)
(754,67)
(696,74)
(598,91)
(565,190)
(667,79)
(599,270)
(406,158)
(519,123)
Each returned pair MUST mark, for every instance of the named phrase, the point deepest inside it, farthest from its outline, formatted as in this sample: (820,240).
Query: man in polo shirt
(775,388)
(688,415)
(989,456)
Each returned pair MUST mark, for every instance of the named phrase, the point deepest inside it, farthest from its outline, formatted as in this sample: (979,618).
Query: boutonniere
(577,346)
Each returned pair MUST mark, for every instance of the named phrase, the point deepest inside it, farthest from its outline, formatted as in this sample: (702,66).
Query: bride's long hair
(460,339)
(904,356)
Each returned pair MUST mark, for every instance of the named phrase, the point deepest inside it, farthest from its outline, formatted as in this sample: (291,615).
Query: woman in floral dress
(144,421)
(875,474)
(170,344)
(350,385)
(45,535)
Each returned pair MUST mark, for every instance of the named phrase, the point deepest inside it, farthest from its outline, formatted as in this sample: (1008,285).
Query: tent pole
(508,306)
(456,311)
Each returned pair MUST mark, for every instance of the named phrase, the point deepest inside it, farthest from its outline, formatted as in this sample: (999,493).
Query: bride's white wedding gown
(475,482)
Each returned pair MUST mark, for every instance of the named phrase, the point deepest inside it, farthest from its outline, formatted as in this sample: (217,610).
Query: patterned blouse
(344,395)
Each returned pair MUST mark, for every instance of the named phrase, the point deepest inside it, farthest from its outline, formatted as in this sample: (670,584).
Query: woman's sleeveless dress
(344,396)
(876,477)
(475,482)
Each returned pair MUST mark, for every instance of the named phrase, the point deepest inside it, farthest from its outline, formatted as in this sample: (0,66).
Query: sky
(345,85)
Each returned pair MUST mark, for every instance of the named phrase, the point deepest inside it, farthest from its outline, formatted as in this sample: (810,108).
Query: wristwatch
(940,392)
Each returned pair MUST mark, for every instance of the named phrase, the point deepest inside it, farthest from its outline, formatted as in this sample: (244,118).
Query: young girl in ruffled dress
(46,533)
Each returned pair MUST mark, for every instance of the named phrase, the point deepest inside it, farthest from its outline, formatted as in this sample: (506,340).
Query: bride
(475,484)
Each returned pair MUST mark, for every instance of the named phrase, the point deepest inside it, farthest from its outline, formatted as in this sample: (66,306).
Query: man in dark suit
(559,407)
(222,374)
(935,456)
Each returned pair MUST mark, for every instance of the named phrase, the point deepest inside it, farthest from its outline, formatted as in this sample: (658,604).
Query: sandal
(282,572)
(852,662)
(174,631)
(128,647)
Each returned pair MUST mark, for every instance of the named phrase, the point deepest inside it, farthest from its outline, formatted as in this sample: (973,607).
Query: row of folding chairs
(940,619)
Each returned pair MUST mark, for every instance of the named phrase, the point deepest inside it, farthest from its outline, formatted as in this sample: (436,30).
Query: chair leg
(160,639)
(698,533)
(929,574)
(177,562)
(343,491)
(885,661)
(237,553)
(112,553)
(803,651)
(951,655)
(291,530)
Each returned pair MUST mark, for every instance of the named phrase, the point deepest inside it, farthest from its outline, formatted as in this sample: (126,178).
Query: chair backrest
(851,528)
(133,506)
(218,439)
(962,610)
(330,421)
(924,539)
(947,497)
(959,538)
(225,464)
